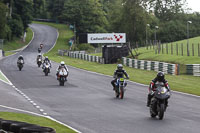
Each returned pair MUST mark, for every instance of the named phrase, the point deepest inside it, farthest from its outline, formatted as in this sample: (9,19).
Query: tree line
(139,19)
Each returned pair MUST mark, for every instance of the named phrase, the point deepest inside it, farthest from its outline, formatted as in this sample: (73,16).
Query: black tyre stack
(22,127)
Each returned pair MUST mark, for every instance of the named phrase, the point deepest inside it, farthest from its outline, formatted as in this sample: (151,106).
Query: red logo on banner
(118,38)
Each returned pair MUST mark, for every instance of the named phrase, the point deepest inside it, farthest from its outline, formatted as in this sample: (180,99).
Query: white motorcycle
(46,68)
(62,76)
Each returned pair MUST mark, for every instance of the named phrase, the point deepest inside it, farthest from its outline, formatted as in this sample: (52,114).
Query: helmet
(62,63)
(39,54)
(21,56)
(119,66)
(46,57)
(160,76)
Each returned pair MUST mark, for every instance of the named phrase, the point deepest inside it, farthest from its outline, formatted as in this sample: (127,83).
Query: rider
(39,56)
(159,78)
(119,73)
(20,58)
(40,48)
(62,65)
(46,60)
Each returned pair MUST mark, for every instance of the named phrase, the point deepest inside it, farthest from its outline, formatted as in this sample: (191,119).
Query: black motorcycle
(158,102)
(39,62)
(20,64)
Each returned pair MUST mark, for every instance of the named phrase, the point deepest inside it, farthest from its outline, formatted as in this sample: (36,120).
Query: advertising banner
(107,38)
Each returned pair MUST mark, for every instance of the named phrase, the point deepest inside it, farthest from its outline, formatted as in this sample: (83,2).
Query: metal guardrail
(81,55)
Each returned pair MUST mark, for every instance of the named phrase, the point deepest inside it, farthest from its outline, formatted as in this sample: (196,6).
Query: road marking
(55,41)
(25,46)
(21,110)
(63,124)
(8,81)
(44,115)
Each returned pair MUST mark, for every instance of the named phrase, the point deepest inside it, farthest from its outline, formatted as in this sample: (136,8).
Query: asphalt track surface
(87,101)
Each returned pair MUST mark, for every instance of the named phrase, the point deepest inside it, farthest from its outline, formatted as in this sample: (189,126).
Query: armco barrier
(9,126)
(193,69)
(167,68)
(82,56)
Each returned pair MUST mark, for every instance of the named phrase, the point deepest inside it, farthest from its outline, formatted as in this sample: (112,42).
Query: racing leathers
(118,74)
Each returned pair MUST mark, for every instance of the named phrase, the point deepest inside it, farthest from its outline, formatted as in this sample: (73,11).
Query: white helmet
(40,54)
(62,63)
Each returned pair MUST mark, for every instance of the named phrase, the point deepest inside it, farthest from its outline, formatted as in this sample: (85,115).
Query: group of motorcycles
(158,102)
(46,66)
(61,75)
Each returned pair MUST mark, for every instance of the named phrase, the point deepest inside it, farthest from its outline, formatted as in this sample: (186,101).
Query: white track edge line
(9,82)
(63,124)
(21,110)
(24,47)
(49,117)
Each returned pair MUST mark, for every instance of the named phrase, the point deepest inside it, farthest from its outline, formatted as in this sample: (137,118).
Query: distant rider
(119,73)
(20,58)
(39,56)
(40,48)
(159,78)
(46,60)
(62,65)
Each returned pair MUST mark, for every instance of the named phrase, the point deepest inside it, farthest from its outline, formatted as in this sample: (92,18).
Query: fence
(82,56)
(167,68)
(193,69)
(175,49)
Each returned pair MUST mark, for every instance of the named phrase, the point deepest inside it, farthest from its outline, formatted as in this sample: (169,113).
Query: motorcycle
(46,68)
(20,64)
(39,62)
(120,88)
(158,101)
(62,76)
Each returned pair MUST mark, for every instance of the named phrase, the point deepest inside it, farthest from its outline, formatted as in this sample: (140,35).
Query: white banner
(107,38)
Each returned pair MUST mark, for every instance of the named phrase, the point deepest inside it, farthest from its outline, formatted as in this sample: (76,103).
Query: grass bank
(183,83)
(35,120)
(176,57)
(17,43)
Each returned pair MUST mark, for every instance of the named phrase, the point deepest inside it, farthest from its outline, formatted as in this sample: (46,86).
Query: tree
(87,15)
(24,9)
(3,10)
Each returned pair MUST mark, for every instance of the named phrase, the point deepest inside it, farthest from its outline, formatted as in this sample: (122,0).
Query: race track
(87,101)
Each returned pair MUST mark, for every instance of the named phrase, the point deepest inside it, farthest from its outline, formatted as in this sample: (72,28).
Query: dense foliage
(15,17)
(129,16)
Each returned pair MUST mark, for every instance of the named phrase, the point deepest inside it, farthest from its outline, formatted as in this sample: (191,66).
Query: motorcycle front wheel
(121,92)
(161,111)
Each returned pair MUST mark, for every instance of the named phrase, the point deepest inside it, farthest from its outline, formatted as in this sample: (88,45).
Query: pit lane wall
(167,68)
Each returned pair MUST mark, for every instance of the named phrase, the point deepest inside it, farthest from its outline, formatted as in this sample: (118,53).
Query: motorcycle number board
(107,38)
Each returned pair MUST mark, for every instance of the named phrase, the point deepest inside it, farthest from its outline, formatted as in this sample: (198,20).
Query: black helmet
(119,66)
(160,76)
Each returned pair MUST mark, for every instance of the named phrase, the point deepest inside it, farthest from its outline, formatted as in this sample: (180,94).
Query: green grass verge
(183,83)
(2,77)
(145,54)
(7,53)
(35,120)
(17,42)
